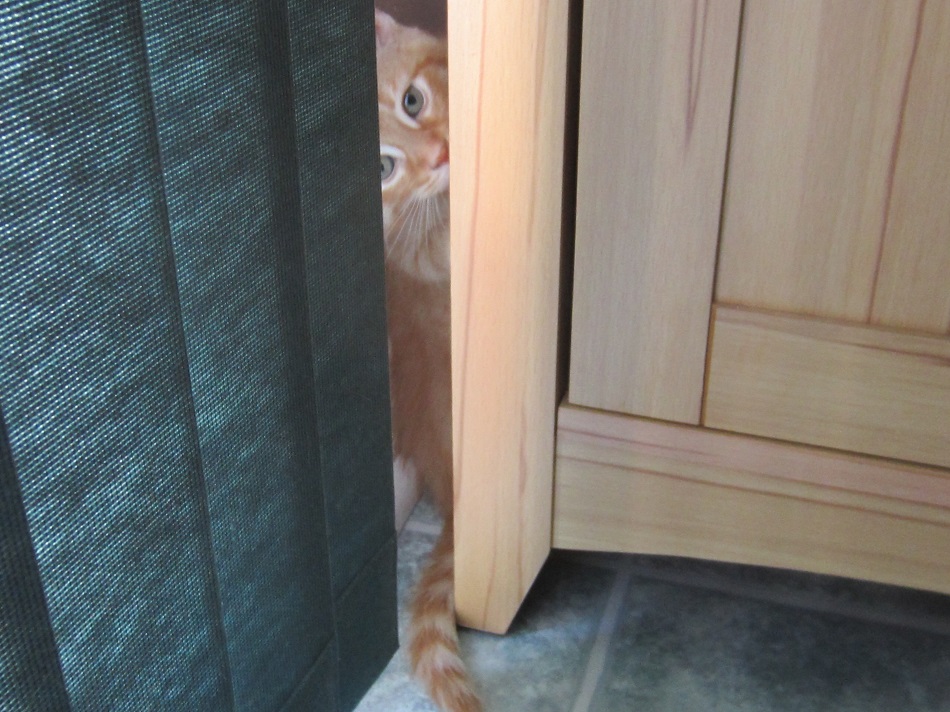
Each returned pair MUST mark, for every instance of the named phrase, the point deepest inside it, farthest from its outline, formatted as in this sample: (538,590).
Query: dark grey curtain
(195,476)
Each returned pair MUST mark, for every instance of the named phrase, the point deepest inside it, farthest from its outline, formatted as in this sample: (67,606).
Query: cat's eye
(387,164)
(413,101)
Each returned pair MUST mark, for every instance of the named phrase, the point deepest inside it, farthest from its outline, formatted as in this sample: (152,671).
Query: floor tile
(876,602)
(540,663)
(395,690)
(687,649)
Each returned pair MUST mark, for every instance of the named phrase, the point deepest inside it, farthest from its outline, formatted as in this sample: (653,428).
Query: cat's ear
(385,28)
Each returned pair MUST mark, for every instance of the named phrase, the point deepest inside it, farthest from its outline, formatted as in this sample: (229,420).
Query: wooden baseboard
(629,484)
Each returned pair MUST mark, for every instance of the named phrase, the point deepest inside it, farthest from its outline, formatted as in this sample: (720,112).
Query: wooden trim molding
(629,484)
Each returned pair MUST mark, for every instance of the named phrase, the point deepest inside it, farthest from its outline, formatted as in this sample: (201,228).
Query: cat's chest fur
(421,378)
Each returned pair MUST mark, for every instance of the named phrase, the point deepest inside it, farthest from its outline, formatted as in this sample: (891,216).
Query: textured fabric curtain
(195,476)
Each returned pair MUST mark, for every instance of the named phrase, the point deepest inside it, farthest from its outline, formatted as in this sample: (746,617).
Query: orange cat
(414,170)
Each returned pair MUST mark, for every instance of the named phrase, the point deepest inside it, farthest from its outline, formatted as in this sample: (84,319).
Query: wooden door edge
(508,73)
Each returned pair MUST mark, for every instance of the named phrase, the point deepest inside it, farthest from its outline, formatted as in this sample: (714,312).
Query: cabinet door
(832,293)
(656,89)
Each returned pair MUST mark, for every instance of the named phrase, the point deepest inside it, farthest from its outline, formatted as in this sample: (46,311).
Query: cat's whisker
(414,220)
(402,219)
(430,225)
(410,225)
(426,229)
(394,239)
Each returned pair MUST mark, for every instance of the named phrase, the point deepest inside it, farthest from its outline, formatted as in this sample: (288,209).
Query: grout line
(598,654)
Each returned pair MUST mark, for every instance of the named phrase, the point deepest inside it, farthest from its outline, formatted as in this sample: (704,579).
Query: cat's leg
(408,489)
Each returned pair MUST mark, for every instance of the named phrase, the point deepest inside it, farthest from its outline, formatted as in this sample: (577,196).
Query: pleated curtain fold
(195,474)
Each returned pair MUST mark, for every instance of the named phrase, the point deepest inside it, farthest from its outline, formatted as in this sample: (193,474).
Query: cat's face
(414,152)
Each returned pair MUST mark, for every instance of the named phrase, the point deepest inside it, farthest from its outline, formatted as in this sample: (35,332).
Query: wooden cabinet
(759,364)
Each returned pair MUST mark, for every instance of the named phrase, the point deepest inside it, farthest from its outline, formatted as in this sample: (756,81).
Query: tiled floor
(612,633)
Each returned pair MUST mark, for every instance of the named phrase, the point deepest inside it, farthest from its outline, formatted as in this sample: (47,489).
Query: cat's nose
(441,155)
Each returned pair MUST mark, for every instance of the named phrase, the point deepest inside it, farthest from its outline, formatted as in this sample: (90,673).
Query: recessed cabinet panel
(656,91)
(913,285)
(838,175)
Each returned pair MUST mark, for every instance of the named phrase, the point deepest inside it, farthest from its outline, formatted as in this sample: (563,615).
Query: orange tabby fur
(412,71)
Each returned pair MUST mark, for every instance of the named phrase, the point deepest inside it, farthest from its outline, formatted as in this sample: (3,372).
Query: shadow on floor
(611,633)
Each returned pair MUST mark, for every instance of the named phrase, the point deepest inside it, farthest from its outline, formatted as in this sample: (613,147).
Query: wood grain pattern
(629,484)
(850,387)
(820,92)
(656,87)
(507,67)
(913,284)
